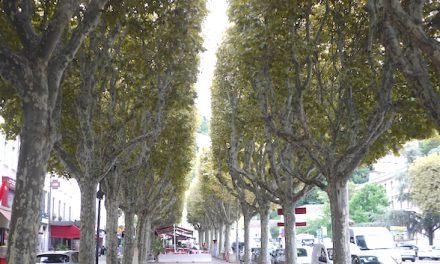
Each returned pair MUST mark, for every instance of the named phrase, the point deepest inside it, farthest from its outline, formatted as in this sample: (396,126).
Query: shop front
(64,235)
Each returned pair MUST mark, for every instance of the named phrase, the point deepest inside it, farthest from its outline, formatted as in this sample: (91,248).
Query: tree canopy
(425,183)
(368,204)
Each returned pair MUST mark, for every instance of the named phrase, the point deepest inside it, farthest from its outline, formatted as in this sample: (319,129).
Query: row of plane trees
(305,92)
(102,92)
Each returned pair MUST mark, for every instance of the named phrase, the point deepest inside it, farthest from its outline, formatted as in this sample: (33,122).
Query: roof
(181,233)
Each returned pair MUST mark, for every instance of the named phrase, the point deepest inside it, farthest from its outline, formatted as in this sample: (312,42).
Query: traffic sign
(296,224)
(299,210)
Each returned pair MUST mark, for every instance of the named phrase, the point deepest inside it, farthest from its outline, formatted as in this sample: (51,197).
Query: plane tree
(324,87)
(424,183)
(38,42)
(262,152)
(212,206)
(166,178)
(146,87)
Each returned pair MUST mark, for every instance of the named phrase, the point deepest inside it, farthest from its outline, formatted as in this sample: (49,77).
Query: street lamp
(99,195)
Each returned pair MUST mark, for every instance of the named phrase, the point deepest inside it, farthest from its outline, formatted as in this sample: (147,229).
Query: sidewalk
(214,261)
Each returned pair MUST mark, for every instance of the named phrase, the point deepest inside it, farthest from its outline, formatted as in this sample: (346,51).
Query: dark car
(58,257)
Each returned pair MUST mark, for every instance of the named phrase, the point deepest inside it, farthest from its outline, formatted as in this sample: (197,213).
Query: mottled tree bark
(289,232)
(35,147)
(111,206)
(247,239)
(227,241)
(88,241)
(264,253)
(128,237)
(220,239)
(338,195)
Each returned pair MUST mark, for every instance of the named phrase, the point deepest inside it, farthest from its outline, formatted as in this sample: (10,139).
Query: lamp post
(49,209)
(99,195)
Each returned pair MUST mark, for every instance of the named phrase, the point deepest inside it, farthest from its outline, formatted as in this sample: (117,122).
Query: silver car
(58,257)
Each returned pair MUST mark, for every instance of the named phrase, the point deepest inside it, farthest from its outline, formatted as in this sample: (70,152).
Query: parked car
(323,254)
(304,256)
(408,252)
(376,245)
(416,249)
(58,257)
(432,252)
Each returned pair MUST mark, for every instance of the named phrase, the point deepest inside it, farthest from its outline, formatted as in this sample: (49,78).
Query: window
(52,258)
(302,252)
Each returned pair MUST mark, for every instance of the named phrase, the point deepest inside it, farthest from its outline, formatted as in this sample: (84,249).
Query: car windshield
(374,241)
(406,247)
(52,258)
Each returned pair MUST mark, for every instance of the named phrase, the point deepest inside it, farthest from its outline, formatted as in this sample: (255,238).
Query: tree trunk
(111,205)
(289,232)
(35,148)
(87,243)
(338,194)
(227,242)
(201,235)
(247,239)
(207,239)
(140,239)
(220,240)
(148,234)
(128,237)
(264,253)
(431,237)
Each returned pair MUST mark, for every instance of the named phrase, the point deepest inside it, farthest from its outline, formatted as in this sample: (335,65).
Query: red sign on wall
(299,210)
(296,224)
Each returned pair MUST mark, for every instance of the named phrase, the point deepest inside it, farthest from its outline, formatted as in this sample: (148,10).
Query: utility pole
(49,211)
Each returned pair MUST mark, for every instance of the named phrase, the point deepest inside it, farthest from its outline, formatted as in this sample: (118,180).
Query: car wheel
(413,260)
(420,258)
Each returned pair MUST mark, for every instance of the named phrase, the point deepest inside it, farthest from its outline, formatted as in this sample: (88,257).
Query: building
(388,172)
(60,202)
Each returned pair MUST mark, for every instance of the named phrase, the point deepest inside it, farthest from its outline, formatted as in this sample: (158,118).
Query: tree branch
(20,18)
(67,53)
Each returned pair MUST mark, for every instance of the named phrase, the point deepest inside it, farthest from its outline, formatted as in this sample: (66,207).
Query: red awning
(69,232)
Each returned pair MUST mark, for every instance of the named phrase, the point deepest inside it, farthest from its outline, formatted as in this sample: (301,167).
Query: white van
(323,253)
(376,245)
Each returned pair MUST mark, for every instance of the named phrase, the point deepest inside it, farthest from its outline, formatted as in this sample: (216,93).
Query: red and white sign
(296,224)
(298,211)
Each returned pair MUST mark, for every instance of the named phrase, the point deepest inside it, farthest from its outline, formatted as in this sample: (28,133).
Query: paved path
(214,261)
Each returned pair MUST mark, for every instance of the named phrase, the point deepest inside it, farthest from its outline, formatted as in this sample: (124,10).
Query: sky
(212,32)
